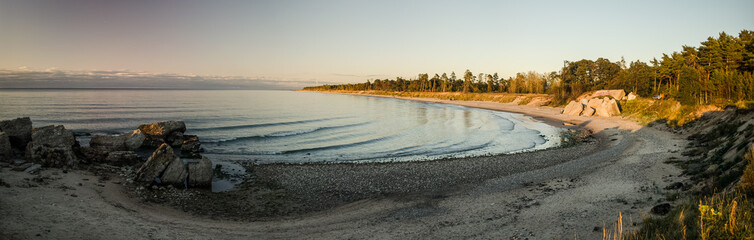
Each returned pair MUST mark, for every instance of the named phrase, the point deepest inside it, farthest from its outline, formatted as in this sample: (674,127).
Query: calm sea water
(290,127)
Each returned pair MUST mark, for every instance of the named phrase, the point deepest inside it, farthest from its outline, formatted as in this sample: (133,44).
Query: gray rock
(191,146)
(5,148)
(53,136)
(95,154)
(52,146)
(157,133)
(661,209)
(200,173)
(573,108)
(133,140)
(107,143)
(22,167)
(125,142)
(33,168)
(123,158)
(175,173)
(18,131)
(175,139)
(155,164)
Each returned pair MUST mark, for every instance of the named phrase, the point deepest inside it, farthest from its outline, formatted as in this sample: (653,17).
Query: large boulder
(125,142)
(5,147)
(200,173)
(110,143)
(18,131)
(632,96)
(594,103)
(155,164)
(613,107)
(94,154)
(608,108)
(191,146)
(133,140)
(122,158)
(52,146)
(175,173)
(573,108)
(617,94)
(588,112)
(170,132)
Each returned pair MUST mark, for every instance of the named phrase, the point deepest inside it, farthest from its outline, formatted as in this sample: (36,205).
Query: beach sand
(554,193)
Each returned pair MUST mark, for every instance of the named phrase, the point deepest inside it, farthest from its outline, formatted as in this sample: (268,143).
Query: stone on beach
(18,131)
(632,96)
(608,108)
(573,108)
(588,111)
(126,142)
(5,147)
(175,173)
(200,173)
(170,132)
(594,103)
(52,146)
(191,146)
(155,164)
(122,158)
(618,94)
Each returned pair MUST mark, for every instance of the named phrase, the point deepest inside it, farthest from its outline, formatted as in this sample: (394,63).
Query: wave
(339,146)
(282,134)
(235,127)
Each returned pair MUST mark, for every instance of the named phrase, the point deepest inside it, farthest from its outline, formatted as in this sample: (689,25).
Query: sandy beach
(555,193)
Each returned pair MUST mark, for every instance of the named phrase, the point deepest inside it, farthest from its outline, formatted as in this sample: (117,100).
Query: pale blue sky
(350,41)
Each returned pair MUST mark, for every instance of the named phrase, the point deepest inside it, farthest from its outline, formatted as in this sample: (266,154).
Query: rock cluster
(55,146)
(170,132)
(164,167)
(594,106)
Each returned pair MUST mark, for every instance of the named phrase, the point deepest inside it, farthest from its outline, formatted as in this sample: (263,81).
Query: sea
(289,126)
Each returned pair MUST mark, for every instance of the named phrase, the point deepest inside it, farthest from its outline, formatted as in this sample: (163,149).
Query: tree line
(718,71)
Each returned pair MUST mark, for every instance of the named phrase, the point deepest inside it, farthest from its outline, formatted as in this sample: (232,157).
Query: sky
(291,44)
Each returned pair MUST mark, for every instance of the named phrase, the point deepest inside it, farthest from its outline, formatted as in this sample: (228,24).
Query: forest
(719,71)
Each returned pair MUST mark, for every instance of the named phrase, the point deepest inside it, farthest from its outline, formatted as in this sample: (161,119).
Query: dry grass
(646,111)
(725,215)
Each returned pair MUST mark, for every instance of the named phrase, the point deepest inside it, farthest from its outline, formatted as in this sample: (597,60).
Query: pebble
(33,168)
(22,167)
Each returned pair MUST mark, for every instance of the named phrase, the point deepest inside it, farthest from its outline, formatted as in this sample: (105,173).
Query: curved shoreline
(543,194)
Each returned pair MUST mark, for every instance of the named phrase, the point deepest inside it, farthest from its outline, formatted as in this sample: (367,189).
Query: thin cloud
(55,78)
